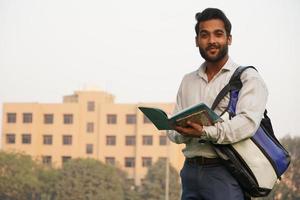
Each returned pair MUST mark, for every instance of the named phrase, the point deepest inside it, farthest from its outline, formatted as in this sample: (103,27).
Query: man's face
(213,40)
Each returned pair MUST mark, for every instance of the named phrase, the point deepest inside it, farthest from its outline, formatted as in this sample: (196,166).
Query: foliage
(21,178)
(48,179)
(88,179)
(153,186)
(129,188)
(18,179)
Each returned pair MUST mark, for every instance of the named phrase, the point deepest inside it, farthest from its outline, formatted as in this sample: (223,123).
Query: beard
(223,51)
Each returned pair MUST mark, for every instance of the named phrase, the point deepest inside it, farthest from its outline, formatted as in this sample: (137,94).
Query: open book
(200,114)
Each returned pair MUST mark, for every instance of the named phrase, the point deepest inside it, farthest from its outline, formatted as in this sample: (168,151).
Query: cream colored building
(89,124)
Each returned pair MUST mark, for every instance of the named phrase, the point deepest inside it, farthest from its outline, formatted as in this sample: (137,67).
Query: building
(89,124)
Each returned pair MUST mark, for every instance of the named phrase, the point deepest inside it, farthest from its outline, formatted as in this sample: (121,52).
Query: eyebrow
(215,31)
(203,31)
(220,30)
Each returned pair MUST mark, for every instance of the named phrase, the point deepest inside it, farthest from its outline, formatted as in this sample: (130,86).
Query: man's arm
(249,111)
(250,107)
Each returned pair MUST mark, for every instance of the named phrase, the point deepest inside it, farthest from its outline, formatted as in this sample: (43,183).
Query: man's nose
(212,39)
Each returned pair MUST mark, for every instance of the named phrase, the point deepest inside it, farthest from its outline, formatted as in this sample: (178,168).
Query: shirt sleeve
(250,107)
(173,135)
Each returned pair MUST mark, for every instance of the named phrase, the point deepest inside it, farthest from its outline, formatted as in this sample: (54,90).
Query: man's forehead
(212,25)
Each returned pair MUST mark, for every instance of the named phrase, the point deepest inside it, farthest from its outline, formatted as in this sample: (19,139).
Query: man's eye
(203,35)
(219,34)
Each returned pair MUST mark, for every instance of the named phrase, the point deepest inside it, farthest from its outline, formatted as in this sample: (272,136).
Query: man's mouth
(212,49)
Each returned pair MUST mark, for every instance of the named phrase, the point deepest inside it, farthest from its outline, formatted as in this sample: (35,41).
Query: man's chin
(212,59)
(214,56)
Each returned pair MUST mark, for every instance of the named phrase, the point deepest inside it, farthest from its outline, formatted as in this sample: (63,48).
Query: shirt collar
(228,66)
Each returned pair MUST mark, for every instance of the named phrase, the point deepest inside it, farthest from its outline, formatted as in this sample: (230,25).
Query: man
(203,176)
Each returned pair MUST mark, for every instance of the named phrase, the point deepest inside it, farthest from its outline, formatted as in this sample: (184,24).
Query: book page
(200,117)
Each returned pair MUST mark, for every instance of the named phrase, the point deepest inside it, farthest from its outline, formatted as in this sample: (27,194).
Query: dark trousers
(208,182)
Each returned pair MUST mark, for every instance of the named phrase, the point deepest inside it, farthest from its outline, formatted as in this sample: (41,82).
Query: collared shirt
(250,107)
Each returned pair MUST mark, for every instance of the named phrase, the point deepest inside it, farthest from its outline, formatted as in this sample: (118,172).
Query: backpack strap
(235,83)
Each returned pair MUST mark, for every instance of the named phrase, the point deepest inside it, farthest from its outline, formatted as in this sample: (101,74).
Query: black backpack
(256,162)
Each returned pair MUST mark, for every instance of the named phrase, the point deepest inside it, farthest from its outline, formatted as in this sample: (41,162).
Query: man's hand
(194,130)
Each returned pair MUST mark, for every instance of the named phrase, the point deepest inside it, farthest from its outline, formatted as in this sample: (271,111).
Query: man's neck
(212,68)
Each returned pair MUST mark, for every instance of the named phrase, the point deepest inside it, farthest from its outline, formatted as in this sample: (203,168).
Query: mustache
(212,46)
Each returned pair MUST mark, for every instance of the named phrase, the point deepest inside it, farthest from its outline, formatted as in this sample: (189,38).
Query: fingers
(198,127)
(195,130)
(183,130)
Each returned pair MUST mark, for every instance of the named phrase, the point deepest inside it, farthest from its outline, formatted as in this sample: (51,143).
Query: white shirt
(250,107)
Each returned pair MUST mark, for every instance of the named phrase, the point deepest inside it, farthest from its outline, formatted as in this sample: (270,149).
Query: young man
(203,176)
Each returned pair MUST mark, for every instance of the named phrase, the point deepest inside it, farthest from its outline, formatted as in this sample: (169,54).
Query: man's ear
(196,42)
(229,40)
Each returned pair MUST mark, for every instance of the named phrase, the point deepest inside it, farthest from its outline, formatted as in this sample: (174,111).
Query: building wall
(77,105)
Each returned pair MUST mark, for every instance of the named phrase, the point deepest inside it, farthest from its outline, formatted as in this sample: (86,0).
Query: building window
(110,161)
(67,139)
(48,118)
(111,118)
(146,120)
(11,117)
(90,106)
(130,119)
(90,127)
(10,138)
(147,140)
(68,119)
(130,140)
(89,149)
(129,162)
(146,161)
(27,117)
(162,140)
(110,140)
(47,160)
(47,139)
(26,139)
(164,159)
(65,159)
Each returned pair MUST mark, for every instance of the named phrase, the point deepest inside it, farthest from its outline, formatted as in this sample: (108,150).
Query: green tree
(48,177)
(18,178)
(153,186)
(129,188)
(88,179)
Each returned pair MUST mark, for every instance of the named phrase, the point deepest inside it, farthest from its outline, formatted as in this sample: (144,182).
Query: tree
(129,188)
(153,186)
(48,177)
(88,179)
(18,179)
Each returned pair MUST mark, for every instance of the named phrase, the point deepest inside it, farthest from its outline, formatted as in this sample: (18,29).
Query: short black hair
(212,13)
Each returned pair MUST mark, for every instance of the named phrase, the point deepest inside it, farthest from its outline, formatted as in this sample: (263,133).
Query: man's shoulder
(192,75)
(253,76)
(250,73)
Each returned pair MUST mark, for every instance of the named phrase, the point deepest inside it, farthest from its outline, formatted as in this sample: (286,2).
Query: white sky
(139,50)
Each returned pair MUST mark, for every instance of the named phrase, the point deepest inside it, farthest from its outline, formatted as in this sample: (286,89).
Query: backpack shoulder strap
(235,83)
(236,77)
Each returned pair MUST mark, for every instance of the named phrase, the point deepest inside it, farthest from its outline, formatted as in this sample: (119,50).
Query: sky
(140,50)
